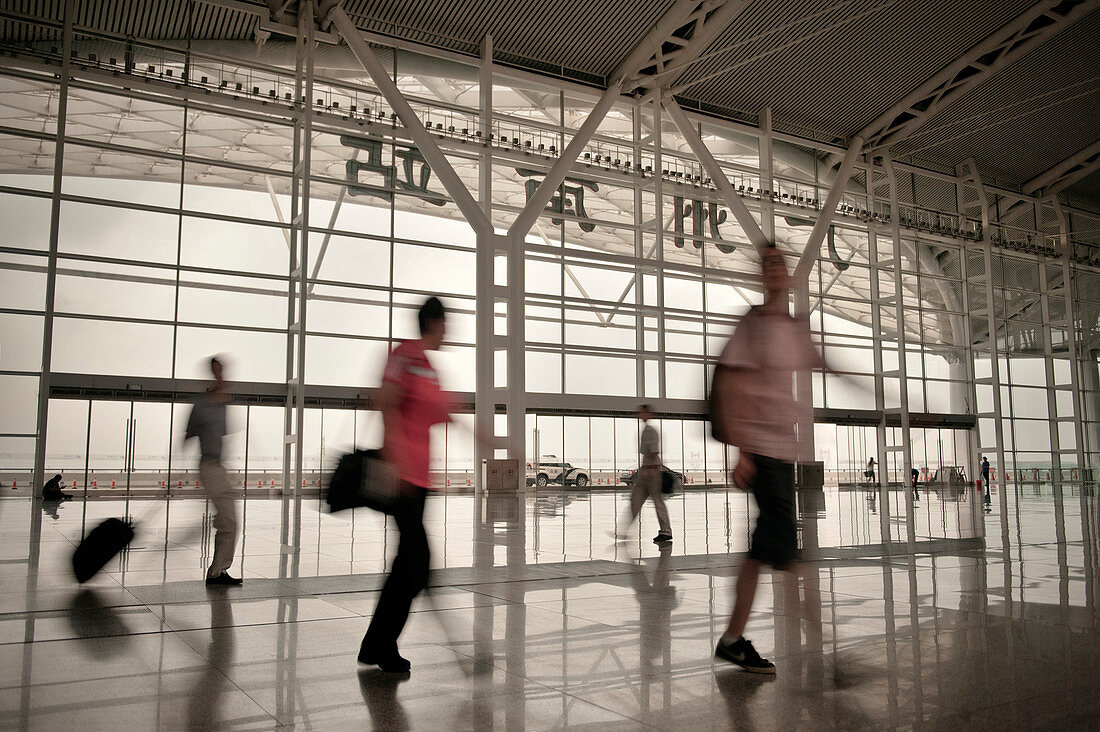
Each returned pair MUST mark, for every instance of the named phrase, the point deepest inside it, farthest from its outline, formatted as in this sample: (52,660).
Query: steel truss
(997,51)
(686,28)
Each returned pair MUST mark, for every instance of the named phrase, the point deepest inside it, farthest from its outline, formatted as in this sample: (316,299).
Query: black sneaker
(744,655)
(224,579)
(662,538)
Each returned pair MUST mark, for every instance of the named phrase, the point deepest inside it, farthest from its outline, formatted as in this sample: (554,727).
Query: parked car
(549,469)
(629,476)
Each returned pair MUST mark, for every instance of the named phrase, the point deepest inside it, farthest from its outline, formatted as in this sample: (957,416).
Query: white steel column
(639,253)
(767,201)
(1071,337)
(39,474)
(484,398)
(880,391)
(658,250)
(1048,366)
(903,376)
(969,171)
(515,395)
(298,264)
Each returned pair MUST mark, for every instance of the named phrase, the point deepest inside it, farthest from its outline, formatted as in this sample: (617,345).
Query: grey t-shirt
(207,422)
(649,445)
(771,349)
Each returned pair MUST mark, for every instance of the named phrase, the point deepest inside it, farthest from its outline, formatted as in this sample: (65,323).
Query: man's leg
(747,578)
(653,490)
(216,483)
(408,576)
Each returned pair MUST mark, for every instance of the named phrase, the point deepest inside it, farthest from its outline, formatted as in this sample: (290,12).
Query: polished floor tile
(538,618)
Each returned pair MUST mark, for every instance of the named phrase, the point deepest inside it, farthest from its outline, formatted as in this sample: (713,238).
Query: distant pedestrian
(985,477)
(869,473)
(915,475)
(207,423)
(647,483)
(51,490)
(757,411)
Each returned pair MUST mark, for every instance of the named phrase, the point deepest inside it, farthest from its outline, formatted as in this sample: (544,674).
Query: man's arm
(732,385)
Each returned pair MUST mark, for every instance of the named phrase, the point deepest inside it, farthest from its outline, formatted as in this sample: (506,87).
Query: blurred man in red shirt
(411,401)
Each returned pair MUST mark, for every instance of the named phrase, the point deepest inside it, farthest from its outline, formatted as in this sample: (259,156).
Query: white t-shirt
(771,349)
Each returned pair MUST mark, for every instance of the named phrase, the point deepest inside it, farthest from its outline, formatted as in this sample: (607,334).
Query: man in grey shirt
(647,484)
(757,411)
(207,422)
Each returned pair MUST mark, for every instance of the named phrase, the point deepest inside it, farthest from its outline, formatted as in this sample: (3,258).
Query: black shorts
(775,539)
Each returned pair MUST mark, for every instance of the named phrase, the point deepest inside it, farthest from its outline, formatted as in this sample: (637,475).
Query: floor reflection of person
(207,423)
(411,401)
(205,702)
(379,691)
(757,412)
(656,600)
(50,507)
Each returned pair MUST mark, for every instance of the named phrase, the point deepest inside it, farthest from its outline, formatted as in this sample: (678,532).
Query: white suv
(549,469)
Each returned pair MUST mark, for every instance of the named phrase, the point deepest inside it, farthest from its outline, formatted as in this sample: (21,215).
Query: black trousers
(408,575)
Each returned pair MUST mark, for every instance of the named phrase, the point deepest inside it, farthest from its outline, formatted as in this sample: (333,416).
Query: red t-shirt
(422,404)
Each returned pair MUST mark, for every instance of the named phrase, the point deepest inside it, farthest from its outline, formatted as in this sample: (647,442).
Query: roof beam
(427,145)
(705,22)
(731,198)
(626,78)
(828,210)
(1021,36)
(1061,176)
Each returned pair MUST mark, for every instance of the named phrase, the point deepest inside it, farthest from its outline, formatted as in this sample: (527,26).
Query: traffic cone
(74,485)
(180,484)
(162,484)
(272,482)
(113,484)
(95,483)
(467,480)
(14,485)
(259,484)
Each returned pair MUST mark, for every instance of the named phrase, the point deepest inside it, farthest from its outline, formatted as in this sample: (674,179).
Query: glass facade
(162,205)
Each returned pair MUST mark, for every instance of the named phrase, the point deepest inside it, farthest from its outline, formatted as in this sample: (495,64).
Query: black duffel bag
(668,482)
(363,479)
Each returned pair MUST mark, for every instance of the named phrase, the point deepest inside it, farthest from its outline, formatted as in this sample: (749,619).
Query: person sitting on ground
(51,491)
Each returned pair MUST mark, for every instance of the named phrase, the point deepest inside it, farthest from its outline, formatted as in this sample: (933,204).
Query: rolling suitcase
(100,545)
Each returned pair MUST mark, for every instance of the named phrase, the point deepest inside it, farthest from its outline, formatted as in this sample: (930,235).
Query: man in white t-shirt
(647,484)
(755,409)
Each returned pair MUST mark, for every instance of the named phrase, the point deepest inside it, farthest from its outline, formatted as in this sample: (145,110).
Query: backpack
(714,407)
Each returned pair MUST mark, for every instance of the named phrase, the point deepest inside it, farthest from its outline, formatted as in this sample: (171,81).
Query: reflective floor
(929,611)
